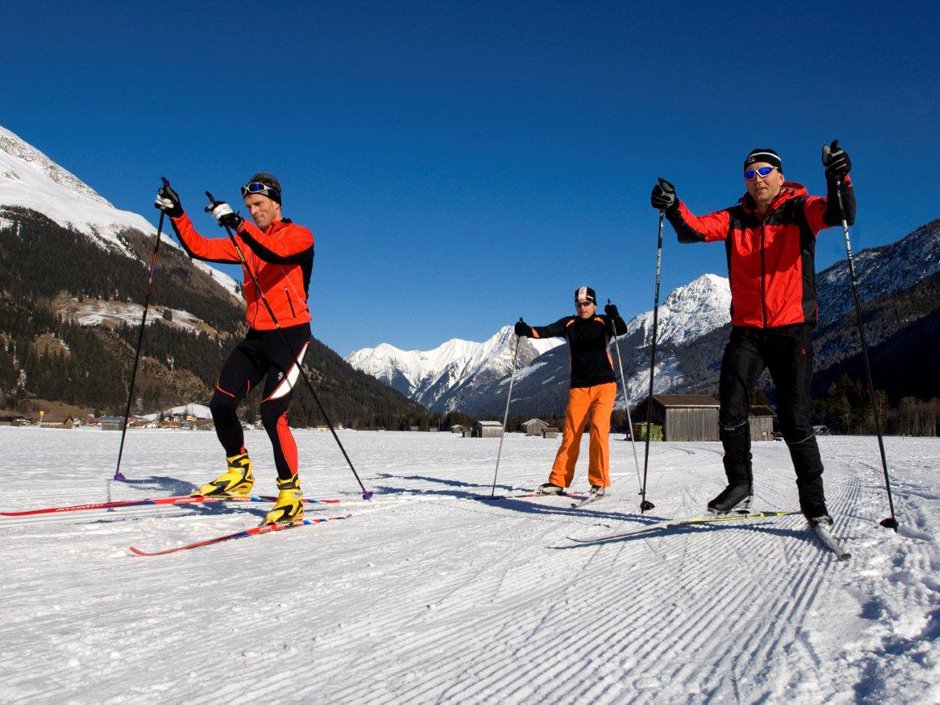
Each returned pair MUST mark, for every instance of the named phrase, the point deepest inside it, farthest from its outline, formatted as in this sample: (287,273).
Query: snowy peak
(689,312)
(436,377)
(29,179)
(28,156)
(456,371)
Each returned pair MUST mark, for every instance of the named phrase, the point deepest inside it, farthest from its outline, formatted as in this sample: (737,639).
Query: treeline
(38,258)
(847,409)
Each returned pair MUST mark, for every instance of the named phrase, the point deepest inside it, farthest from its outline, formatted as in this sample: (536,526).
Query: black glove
(663,197)
(523,329)
(836,162)
(168,201)
(611,310)
(224,215)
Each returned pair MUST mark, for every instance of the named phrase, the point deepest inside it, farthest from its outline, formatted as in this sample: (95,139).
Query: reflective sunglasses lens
(763,171)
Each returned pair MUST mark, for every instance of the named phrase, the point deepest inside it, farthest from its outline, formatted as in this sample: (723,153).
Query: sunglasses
(762,171)
(583,304)
(262,189)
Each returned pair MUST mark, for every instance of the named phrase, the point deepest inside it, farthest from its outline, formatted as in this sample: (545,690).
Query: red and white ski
(244,533)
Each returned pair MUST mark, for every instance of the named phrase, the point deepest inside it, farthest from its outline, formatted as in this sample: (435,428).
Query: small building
(550,432)
(458,428)
(488,429)
(534,427)
(683,417)
(762,423)
(112,423)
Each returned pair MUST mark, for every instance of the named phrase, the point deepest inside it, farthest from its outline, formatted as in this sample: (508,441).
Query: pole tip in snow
(367,495)
(890,523)
(646,505)
(119,476)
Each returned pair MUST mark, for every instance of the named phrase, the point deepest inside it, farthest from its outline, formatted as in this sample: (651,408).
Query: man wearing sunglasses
(770,238)
(593,389)
(279,255)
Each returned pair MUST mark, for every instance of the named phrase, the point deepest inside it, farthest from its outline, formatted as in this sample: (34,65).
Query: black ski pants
(788,353)
(274,355)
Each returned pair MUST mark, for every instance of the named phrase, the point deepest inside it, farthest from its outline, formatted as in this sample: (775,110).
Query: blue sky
(465,163)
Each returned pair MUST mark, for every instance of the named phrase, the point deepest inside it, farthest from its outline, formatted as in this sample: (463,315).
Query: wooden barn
(534,427)
(762,423)
(683,417)
(488,429)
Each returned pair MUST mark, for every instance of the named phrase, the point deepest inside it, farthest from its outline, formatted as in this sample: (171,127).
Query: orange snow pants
(597,404)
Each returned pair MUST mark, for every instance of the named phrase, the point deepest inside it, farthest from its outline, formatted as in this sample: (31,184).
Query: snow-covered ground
(427,596)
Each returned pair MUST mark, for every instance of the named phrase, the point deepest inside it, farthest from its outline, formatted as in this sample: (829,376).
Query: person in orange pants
(594,404)
(593,388)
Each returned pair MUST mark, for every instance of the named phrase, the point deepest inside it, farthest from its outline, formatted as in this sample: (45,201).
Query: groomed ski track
(426,597)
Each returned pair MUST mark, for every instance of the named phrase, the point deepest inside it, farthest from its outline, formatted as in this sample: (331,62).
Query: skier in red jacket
(770,239)
(279,254)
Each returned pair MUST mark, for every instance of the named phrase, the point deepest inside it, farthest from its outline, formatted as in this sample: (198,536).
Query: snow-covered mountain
(29,179)
(689,312)
(438,378)
(879,271)
(689,336)
(466,376)
(68,323)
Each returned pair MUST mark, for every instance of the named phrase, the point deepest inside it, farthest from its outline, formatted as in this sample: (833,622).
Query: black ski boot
(733,498)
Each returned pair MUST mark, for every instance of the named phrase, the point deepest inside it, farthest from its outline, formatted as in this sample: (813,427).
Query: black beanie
(764,154)
(585,293)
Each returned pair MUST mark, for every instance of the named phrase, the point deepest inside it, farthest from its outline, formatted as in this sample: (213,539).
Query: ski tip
(845,556)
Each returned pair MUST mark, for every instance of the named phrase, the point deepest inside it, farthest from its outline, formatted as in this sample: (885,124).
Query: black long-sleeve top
(591,363)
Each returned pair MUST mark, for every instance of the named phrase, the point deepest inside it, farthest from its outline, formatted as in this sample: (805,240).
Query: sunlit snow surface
(426,596)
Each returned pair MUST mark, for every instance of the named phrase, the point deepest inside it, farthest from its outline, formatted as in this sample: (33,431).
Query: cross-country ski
(697,520)
(243,533)
(152,501)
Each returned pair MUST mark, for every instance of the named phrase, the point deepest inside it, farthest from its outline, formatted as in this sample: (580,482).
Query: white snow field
(427,596)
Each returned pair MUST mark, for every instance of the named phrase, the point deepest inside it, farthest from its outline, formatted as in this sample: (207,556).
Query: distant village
(673,417)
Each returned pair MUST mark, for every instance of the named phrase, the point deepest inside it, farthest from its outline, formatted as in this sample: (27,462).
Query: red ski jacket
(771,259)
(281,258)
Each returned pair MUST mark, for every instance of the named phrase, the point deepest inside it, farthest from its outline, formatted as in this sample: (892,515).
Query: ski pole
(512,376)
(626,397)
(644,504)
(366,494)
(118,475)
(889,522)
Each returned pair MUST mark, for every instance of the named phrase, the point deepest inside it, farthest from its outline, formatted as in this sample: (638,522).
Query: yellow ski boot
(237,481)
(289,506)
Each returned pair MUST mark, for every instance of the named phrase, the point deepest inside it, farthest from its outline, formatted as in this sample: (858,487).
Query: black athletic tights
(274,355)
